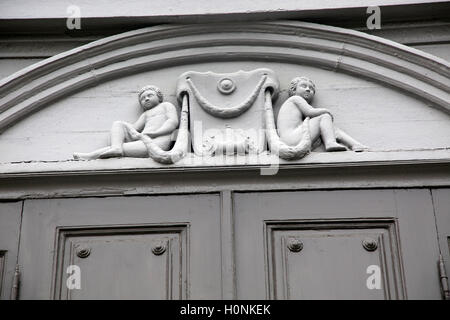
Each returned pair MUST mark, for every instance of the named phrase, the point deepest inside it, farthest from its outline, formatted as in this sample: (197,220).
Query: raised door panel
(149,247)
(136,262)
(330,260)
(10,214)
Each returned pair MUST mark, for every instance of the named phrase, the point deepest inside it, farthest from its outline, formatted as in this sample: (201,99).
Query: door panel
(297,251)
(10,213)
(126,247)
(143,261)
(333,263)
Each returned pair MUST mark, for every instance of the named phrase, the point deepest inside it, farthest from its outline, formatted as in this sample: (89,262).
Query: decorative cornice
(192,163)
(417,73)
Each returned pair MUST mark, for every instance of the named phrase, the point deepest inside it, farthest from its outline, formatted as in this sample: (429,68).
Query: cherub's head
(149,97)
(302,87)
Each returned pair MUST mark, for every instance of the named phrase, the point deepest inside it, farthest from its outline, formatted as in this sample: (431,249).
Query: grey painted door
(326,244)
(285,245)
(10,214)
(159,247)
(441,200)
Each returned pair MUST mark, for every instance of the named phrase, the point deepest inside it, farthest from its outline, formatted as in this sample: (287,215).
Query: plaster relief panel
(228,114)
(375,116)
(122,263)
(373,96)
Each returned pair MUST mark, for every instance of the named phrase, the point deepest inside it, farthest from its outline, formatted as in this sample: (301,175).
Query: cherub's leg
(135,149)
(119,133)
(90,155)
(322,126)
(353,144)
(291,136)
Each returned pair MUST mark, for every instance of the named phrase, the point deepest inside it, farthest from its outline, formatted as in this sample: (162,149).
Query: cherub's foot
(81,156)
(334,146)
(359,148)
(112,153)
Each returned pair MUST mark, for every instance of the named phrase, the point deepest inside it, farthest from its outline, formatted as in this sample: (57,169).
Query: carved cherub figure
(158,122)
(297,107)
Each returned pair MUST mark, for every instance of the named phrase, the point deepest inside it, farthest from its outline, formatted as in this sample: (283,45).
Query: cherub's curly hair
(154,89)
(295,81)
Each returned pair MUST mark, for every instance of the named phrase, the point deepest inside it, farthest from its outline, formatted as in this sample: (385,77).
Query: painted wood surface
(244,254)
(10,219)
(129,226)
(411,210)
(441,201)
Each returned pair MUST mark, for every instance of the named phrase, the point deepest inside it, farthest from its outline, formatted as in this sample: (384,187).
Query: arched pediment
(162,52)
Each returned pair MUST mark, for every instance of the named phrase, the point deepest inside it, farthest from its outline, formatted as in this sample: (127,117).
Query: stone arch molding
(392,64)
(348,51)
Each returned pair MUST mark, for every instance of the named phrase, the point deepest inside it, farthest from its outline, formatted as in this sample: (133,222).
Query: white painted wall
(26,9)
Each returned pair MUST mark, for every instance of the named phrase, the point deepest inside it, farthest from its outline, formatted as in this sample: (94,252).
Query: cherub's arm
(308,110)
(170,124)
(140,123)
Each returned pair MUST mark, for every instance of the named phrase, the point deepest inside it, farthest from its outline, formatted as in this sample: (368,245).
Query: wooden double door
(348,244)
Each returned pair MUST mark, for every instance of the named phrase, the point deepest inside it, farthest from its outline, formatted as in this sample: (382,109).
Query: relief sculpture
(320,127)
(226,114)
(226,110)
(151,135)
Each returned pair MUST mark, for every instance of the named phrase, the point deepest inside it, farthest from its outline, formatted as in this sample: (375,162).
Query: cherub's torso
(290,116)
(155,117)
